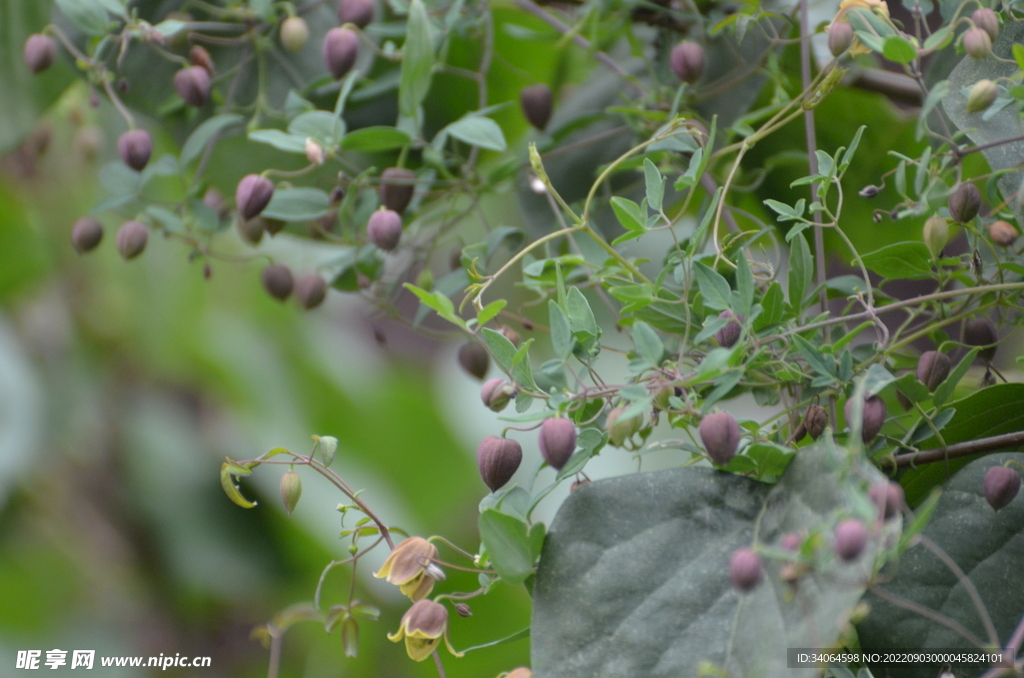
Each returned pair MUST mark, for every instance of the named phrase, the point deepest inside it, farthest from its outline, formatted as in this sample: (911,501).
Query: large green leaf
(1002,125)
(417,61)
(987,546)
(634,576)
(992,411)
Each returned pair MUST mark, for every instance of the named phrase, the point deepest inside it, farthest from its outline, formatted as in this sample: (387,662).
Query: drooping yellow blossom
(410,566)
(423,625)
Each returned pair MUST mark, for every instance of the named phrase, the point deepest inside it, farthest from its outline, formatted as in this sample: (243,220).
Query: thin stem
(957,450)
(437,663)
(929,613)
(812,147)
(990,629)
(276,636)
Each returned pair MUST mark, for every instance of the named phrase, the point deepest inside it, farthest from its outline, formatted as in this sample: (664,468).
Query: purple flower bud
(986,20)
(791,542)
(888,497)
(86,234)
(721,436)
(131,239)
(840,37)
(358,12)
(730,334)
(981,332)
(277,281)
(1001,485)
(850,539)
(496,393)
(135,146)
(977,43)
(40,52)
(933,368)
(474,359)
(536,103)
(498,460)
(557,441)
(745,569)
(687,60)
(384,229)
(253,195)
(396,188)
(964,203)
(815,421)
(874,415)
(310,291)
(981,95)
(341,47)
(193,85)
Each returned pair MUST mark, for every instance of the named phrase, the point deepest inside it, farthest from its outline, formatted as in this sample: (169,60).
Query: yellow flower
(422,627)
(410,567)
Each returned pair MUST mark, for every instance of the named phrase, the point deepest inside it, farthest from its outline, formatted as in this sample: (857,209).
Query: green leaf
(88,15)
(900,261)
(507,541)
(581,317)
(945,389)
(801,272)
(713,287)
(1018,55)
(505,354)
(490,311)
(478,131)
(743,297)
(899,49)
(417,61)
(375,139)
(819,363)
(645,542)
(989,412)
(323,127)
(774,305)
(439,302)
(196,142)
(648,343)
(284,141)
(939,38)
(655,185)
(629,214)
(297,204)
(986,545)
(561,335)
(227,470)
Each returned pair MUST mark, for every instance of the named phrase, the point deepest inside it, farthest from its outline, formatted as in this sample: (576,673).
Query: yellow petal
(419,588)
(419,649)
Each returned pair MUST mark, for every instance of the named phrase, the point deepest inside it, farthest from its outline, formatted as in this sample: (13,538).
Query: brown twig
(956,450)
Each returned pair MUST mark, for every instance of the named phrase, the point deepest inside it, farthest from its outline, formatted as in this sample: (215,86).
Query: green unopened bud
(981,96)
(620,429)
(294,33)
(936,235)
(328,448)
(291,490)
(977,43)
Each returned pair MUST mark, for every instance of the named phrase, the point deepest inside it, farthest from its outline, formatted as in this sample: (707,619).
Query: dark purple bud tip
(498,459)
(131,239)
(687,60)
(888,497)
(396,188)
(310,291)
(557,441)
(721,436)
(840,37)
(193,85)
(730,334)
(874,414)
(473,358)
(384,229)
(277,281)
(933,368)
(1001,485)
(358,12)
(86,234)
(964,203)
(536,103)
(745,570)
(135,146)
(253,195)
(981,332)
(850,539)
(40,52)
(341,47)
